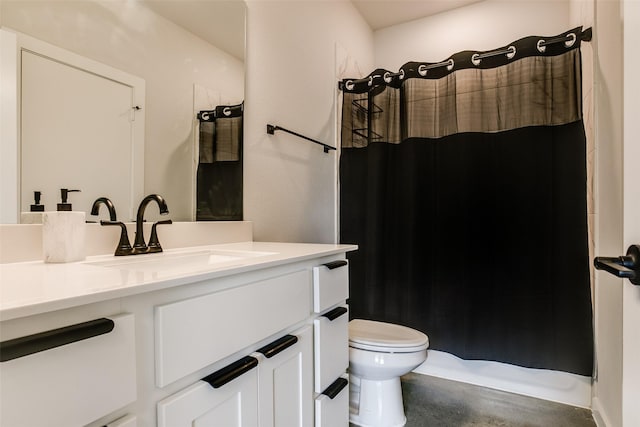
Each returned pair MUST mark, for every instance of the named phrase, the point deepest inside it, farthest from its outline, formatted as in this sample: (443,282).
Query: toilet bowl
(379,353)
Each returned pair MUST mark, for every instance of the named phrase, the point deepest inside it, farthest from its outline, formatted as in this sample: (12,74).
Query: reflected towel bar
(271,130)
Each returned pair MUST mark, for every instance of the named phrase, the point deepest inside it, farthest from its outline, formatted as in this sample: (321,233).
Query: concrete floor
(431,401)
(435,402)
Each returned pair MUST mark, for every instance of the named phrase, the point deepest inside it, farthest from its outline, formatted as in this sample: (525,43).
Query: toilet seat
(385,337)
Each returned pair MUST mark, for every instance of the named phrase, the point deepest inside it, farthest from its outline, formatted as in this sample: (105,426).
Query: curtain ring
(349,84)
(571,41)
(387,77)
(540,46)
(370,81)
(401,74)
(512,52)
(226,111)
(205,116)
(475,60)
(422,70)
(450,65)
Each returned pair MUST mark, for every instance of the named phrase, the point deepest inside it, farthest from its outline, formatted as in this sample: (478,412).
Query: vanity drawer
(332,406)
(330,284)
(232,401)
(331,340)
(197,332)
(76,375)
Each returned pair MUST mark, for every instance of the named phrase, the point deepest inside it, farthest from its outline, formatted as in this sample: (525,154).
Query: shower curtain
(464,185)
(219,175)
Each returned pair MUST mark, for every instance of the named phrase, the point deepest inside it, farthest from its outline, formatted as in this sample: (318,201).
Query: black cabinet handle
(30,344)
(336,387)
(278,346)
(627,266)
(335,264)
(335,313)
(231,372)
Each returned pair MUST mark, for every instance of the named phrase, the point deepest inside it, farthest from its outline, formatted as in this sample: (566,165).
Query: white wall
(290,184)
(480,26)
(128,36)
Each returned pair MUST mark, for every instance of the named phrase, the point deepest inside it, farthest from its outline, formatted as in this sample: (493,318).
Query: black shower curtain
(465,190)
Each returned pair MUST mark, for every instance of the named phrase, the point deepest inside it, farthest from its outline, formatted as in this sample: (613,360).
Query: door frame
(631,209)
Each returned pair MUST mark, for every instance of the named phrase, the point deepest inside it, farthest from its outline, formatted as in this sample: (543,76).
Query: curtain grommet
(512,52)
(401,76)
(475,59)
(422,70)
(571,41)
(349,84)
(450,64)
(541,48)
(387,77)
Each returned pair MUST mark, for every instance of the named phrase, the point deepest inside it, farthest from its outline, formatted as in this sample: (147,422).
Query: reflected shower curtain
(465,190)
(219,175)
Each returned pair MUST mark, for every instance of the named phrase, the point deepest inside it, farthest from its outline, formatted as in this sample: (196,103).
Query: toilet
(379,353)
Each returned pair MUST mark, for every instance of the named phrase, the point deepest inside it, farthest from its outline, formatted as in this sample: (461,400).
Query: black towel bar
(272,128)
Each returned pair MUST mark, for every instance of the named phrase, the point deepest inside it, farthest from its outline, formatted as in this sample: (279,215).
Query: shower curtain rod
(476,58)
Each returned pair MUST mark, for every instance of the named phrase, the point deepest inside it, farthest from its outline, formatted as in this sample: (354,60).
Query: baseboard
(544,384)
(599,416)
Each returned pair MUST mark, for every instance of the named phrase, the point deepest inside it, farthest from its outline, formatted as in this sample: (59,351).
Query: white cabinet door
(286,381)
(223,404)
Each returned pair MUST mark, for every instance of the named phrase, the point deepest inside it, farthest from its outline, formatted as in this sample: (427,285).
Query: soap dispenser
(63,232)
(34,216)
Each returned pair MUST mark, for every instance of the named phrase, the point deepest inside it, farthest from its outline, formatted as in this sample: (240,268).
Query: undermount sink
(183,261)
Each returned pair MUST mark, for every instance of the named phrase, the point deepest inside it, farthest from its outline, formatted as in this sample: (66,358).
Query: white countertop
(29,288)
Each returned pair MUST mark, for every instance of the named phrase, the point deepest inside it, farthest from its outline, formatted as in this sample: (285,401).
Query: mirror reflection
(190,55)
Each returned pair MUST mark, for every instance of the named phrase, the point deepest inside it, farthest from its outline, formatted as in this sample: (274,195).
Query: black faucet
(139,245)
(108,203)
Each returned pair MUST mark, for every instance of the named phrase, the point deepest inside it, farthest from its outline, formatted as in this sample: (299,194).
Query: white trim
(544,384)
(599,414)
(8,129)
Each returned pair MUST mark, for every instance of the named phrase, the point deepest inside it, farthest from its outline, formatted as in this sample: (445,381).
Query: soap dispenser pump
(34,216)
(37,207)
(64,194)
(63,232)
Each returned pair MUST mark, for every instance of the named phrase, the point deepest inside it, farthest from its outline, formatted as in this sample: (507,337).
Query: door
(233,404)
(285,381)
(631,224)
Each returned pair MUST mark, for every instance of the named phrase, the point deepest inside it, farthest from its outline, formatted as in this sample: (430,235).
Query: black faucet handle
(154,243)
(124,247)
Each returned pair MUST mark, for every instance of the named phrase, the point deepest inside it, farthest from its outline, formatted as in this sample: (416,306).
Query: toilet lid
(369,334)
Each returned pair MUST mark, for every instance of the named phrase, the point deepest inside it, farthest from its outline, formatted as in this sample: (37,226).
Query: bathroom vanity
(249,333)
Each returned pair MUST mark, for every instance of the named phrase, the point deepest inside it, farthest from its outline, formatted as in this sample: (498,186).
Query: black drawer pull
(278,346)
(335,313)
(335,264)
(336,387)
(231,372)
(30,344)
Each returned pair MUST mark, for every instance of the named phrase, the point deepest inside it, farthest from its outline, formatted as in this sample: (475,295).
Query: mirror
(190,54)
